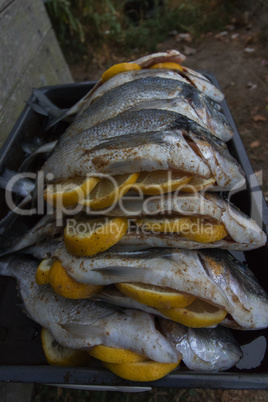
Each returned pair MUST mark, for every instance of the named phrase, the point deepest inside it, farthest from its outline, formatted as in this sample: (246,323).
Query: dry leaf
(255,144)
(249,50)
(259,117)
(188,50)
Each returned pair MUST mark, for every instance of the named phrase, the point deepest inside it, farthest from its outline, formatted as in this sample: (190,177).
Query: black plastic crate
(21,355)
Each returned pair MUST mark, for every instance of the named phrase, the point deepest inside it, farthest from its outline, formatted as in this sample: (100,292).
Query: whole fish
(187,100)
(243,232)
(222,281)
(77,155)
(82,324)
(203,349)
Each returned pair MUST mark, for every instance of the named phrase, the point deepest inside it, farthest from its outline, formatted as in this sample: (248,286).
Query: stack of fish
(149,121)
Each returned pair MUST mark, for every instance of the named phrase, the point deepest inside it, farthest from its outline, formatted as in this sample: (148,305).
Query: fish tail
(41,104)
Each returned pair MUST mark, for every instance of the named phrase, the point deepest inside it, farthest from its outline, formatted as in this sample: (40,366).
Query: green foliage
(90,26)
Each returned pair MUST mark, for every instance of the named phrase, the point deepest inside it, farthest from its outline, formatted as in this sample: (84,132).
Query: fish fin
(122,274)
(82,330)
(43,105)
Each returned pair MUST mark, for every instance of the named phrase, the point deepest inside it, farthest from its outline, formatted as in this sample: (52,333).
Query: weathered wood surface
(4,4)
(29,57)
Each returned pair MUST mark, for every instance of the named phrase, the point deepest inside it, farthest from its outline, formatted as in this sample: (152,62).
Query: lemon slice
(167,225)
(92,236)
(142,371)
(198,184)
(170,65)
(203,231)
(66,286)
(195,229)
(115,355)
(196,315)
(155,296)
(160,182)
(42,272)
(108,191)
(58,355)
(117,69)
(70,191)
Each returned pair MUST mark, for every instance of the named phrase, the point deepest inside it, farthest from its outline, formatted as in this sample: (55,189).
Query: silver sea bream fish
(243,232)
(140,93)
(145,140)
(82,324)
(203,349)
(212,275)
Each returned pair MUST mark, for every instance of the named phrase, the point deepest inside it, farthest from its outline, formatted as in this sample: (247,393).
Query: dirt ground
(239,59)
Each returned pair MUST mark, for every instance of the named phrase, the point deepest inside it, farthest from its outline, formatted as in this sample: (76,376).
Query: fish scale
(147,89)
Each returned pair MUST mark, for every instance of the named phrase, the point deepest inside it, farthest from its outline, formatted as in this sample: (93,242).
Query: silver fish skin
(203,84)
(193,204)
(249,299)
(224,168)
(241,227)
(199,113)
(142,240)
(244,232)
(187,100)
(146,61)
(181,270)
(81,324)
(74,157)
(212,275)
(65,161)
(129,76)
(203,349)
(167,150)
(116,298)
(45,228)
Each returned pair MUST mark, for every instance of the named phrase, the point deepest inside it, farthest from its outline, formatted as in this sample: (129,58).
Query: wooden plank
(4,4)
(23,26)
(47,67)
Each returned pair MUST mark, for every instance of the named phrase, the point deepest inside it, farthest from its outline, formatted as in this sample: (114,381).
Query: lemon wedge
(58,355)
(196,315)
(66,286)
(115,355)
(108,191)
(160,182)
(169,65)
(203,231)
(195,229)
(117,69)
(42,272)
(167,225)
(198,184)
(142,371)
(155,296)
(92,236)
(69,192)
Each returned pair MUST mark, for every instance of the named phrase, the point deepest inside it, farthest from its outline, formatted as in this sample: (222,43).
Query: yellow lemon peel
(58,355)
(155,296)
(66,286)
(98,235)
(115,355)
(117,69)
